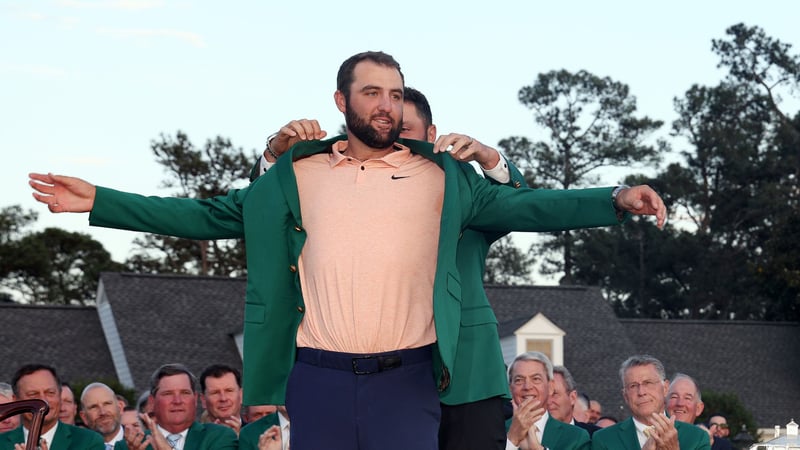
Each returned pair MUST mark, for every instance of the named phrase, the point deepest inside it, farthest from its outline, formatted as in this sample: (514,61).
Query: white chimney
(791,428)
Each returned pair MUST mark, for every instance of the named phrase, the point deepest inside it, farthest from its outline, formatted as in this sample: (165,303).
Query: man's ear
(341,101)
(431,133)
(700,407)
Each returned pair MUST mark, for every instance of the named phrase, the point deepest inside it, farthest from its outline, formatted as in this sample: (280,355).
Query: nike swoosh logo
(395,177)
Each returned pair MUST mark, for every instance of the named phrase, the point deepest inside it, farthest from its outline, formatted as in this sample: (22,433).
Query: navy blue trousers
(340,401)
(480,425)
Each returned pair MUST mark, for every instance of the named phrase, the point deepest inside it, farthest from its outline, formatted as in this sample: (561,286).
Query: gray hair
(682,376)
(91,386)
(532,356)
(569,382)
(6,390)
(641,360)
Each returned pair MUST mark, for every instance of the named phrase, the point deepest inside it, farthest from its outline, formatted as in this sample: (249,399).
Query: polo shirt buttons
(517,184)
(300,309)
(297,228)
(292,268)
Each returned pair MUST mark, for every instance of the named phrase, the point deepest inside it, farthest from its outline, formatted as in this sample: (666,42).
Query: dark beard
(368,135)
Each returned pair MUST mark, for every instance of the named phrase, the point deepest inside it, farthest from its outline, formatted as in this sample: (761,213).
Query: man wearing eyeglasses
(644,389)
(718,427)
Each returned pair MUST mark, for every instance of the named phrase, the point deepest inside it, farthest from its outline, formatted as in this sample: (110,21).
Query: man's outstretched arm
(215,218)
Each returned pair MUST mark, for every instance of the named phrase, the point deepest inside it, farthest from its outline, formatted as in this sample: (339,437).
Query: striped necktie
(173,439)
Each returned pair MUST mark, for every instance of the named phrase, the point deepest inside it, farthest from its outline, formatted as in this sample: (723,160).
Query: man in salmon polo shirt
(353,303)
(473,416)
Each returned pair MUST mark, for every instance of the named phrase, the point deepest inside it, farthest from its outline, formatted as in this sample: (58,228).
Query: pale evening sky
(85,85)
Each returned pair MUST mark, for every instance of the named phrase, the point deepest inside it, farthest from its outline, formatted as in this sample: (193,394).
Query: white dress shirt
(48,436)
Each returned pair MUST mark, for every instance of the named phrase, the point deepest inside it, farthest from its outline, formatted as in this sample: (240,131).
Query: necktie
(173,439)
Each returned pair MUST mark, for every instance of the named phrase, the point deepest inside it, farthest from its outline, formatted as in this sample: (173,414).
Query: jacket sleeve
(215,218)
(503,208)
(516,180)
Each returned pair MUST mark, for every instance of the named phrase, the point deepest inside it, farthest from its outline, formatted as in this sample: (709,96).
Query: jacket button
(300,309)
(293,268)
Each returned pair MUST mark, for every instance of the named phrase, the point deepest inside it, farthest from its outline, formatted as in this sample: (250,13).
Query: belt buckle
(358,371)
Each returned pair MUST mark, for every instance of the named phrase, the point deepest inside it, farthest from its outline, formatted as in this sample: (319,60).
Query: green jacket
(562,436)
(267,215)
(202,436)
(249,434)
(67,437)
(478,352)
(622,436)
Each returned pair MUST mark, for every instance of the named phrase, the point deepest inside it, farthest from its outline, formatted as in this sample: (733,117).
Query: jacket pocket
(254,313)
(480,315)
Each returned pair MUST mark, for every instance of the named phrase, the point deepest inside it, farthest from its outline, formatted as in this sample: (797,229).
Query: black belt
(364,364)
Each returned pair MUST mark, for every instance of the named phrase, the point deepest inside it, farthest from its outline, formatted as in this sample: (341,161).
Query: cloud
(193,39)
(112,4)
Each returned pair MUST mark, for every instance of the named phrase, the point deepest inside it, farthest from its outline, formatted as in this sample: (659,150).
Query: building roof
(174,319)
(143,321)
(595,343)
(758,361)
(69,338)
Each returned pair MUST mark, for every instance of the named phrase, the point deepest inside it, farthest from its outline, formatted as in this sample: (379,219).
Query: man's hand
(62,194)
(156,440)
(135,437)
(42,445)
(642,200)
(270,439)
(232,422)
(465,148)
(663,434)
(292,133)
(525,415)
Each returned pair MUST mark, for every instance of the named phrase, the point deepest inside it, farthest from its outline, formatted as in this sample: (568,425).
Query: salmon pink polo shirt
(368,264)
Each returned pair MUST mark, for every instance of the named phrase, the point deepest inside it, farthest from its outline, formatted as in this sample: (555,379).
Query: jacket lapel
(627,435)
(62,438)
(194,436)
(14,436)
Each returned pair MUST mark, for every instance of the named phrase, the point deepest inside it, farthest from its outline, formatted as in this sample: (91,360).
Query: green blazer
(622,436)
(267,214)
(562,436)
(67,437)
(478,351)
(249,434)
(202,436)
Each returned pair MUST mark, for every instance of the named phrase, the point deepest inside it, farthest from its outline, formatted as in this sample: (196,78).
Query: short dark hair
(417,98)
(168,370)
(345,76)
(28,369)
(217,371)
